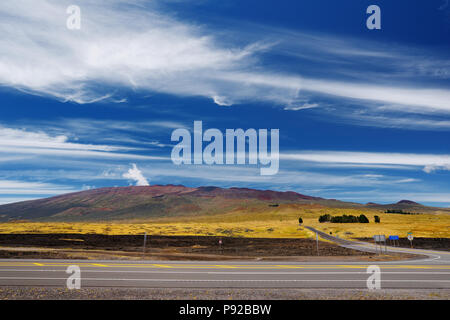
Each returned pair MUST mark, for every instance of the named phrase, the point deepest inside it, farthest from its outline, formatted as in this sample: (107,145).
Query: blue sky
(364,115)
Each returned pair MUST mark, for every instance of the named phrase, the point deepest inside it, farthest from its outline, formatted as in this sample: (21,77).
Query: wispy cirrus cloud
(302,106)
(14,187)
(119,44)
(428,162)
(19,190)
(139,46)
(19,138)
(16,142)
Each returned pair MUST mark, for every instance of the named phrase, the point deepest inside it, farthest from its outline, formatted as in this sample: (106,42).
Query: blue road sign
(393,237)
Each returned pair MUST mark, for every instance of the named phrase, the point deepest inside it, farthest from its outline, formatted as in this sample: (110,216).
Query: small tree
(300,220)
(363,219)
(377,219)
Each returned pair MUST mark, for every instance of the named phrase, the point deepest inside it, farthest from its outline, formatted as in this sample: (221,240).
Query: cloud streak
(24,142)
(429,162)
(15,187)
(137,46)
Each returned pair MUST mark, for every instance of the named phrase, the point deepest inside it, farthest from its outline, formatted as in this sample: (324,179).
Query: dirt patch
(442,244)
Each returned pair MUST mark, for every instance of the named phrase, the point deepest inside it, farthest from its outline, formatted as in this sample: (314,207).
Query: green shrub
(363,219)
(399,212)
(324,218)
(343,219)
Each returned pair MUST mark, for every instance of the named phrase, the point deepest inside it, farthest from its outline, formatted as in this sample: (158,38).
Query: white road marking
(225,280)
(224,272)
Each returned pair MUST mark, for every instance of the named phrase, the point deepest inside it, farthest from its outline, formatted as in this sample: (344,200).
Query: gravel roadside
(30,293)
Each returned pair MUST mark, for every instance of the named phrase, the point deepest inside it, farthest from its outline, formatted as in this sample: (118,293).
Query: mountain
(408,202)
(158,201)
(407,206)
(146,202)
(401,203)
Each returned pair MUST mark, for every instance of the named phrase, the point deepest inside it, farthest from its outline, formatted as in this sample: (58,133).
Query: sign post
(410,238)
(379,239)
(376,246)
(145,241)
(317,242)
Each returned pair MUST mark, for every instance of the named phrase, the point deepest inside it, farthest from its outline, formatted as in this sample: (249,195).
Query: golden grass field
(280,222)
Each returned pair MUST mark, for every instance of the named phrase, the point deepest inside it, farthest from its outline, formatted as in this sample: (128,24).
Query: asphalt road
(430,256)
(431,272)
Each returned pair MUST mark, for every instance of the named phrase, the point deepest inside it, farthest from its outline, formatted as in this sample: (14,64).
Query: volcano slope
(212,211)
(124,203)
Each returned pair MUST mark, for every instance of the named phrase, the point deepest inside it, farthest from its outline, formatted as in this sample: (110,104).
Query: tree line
(346,219)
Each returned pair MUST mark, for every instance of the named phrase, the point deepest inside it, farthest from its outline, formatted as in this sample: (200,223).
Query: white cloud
(302,107)
(222,101)
(118,45)
(429,162)
(20,141)
(135,174)
(136,46)
(399,120)
(433,167)
(408,98)
(32,188)
(19,138)
(237,175)
(415,98)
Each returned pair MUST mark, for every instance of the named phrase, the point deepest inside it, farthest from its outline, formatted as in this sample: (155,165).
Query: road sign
(410,238)
(379,239)
(392,239)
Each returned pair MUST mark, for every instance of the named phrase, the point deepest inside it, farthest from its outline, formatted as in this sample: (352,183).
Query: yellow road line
(161,266)
(197,266)
(225,266)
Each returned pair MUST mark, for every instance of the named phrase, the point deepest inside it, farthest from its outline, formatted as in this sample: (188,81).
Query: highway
(430,272)
(221,275)
(433,256)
